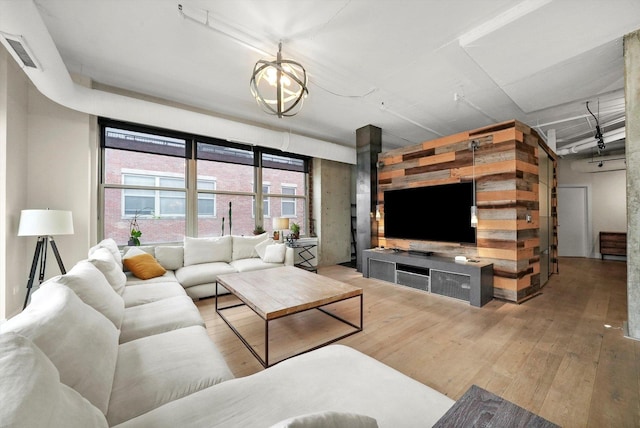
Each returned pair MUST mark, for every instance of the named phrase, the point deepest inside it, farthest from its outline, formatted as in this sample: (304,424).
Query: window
(206,201)
(288,204)
(147,171)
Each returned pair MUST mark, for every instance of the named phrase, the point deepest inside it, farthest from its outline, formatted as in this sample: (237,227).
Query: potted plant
(295,230)
(258,230)
(134,236)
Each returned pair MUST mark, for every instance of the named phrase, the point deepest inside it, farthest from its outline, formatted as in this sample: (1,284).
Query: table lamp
(279,224)
(44,224)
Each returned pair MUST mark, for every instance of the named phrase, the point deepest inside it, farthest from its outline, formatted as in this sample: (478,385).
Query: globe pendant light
(279,86)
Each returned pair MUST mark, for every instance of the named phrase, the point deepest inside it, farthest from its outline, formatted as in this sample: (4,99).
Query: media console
(471,281)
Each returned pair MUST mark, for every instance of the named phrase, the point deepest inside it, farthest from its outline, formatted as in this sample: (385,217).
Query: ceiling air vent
(19,49)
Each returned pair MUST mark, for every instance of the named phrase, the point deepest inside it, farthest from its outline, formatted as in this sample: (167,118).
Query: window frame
(274,158)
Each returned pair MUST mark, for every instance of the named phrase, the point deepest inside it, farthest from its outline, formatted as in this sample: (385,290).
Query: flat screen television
(433,213)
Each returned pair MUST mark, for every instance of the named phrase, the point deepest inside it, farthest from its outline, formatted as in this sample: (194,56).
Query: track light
(598,135)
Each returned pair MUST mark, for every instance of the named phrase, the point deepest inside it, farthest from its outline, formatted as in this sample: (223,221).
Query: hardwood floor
(553,355)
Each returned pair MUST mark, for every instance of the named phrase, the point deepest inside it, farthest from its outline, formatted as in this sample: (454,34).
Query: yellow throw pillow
(144,266)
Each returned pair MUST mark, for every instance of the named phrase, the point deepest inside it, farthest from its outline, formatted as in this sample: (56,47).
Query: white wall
(608,194)
(13,175)
(48,160)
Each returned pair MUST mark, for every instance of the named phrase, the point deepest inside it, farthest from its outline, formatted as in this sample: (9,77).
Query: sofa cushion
(274,253)
(247,265)
(262,246)
(169,276)
(157,369)
(244,247)
(334,377)
(328,419)
(207,250)
(144,266)
(92,287)
(202,273)
(79,341)
(110,245)
(31,393)
(145,293)
(170,257)
(158,317)
(103,260)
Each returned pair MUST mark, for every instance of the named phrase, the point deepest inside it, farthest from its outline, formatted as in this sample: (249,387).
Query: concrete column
(368,146)
(632,99)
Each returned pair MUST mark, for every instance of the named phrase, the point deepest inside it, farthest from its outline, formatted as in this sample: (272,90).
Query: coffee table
(281,292)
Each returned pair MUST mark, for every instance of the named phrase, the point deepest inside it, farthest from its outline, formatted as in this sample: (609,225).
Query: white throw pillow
(274,253)
(244,247)
(31,393)
(103,260)
(92,287)
(170,257)
(261,247)
(328,419)
(79,341)
(110,245)
(207,250)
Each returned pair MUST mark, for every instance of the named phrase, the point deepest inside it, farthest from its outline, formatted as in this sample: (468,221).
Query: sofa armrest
(289,257)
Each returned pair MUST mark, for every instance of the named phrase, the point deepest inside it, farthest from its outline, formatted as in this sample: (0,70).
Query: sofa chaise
(78,356)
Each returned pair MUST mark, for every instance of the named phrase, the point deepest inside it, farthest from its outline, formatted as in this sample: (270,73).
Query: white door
(573,219)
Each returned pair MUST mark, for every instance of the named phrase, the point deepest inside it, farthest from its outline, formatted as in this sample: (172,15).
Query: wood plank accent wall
(506,176)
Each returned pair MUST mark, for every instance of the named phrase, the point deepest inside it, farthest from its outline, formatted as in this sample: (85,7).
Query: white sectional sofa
(197,263)
(92,351)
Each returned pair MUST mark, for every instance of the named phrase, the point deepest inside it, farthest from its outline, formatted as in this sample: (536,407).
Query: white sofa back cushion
(207,250)
(92,287)
(31,393)
(170,257)
(103,260)
(274,253)
(110,245)
(79,341)
(244,247)
(262,246)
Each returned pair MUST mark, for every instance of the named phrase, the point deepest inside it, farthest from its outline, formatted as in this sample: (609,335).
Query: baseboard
(625,331)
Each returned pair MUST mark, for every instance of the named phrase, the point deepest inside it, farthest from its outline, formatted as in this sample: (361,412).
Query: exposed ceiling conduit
(600,164)
(587,143)
(53,80)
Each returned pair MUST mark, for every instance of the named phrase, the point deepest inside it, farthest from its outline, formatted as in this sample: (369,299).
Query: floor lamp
(44,224)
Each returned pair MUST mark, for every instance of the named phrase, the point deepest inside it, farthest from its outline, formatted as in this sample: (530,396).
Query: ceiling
(416,69)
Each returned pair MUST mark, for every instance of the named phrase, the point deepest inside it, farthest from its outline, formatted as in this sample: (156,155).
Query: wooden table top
(276,292)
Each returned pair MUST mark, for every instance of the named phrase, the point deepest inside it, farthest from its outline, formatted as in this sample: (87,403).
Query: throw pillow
(110,245)
(170,257)
(80,342)
(31,393)
(328,419)
(143,265)
(103,260)
(207,250)
(261,247)
(244,247)
(274,253)
(92,287)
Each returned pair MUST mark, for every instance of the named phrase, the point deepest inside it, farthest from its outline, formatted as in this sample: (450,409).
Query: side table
(481,408)
(306,256)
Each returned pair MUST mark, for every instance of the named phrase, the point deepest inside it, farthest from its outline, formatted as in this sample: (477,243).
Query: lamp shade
(280,223)
(45,223)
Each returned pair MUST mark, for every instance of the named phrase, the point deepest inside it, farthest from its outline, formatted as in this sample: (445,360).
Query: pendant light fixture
(279,86)
(474,209)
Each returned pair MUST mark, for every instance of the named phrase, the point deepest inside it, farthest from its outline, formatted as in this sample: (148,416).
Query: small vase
(131,242)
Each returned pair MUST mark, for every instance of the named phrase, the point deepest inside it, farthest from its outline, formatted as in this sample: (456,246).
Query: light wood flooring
(552,355)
